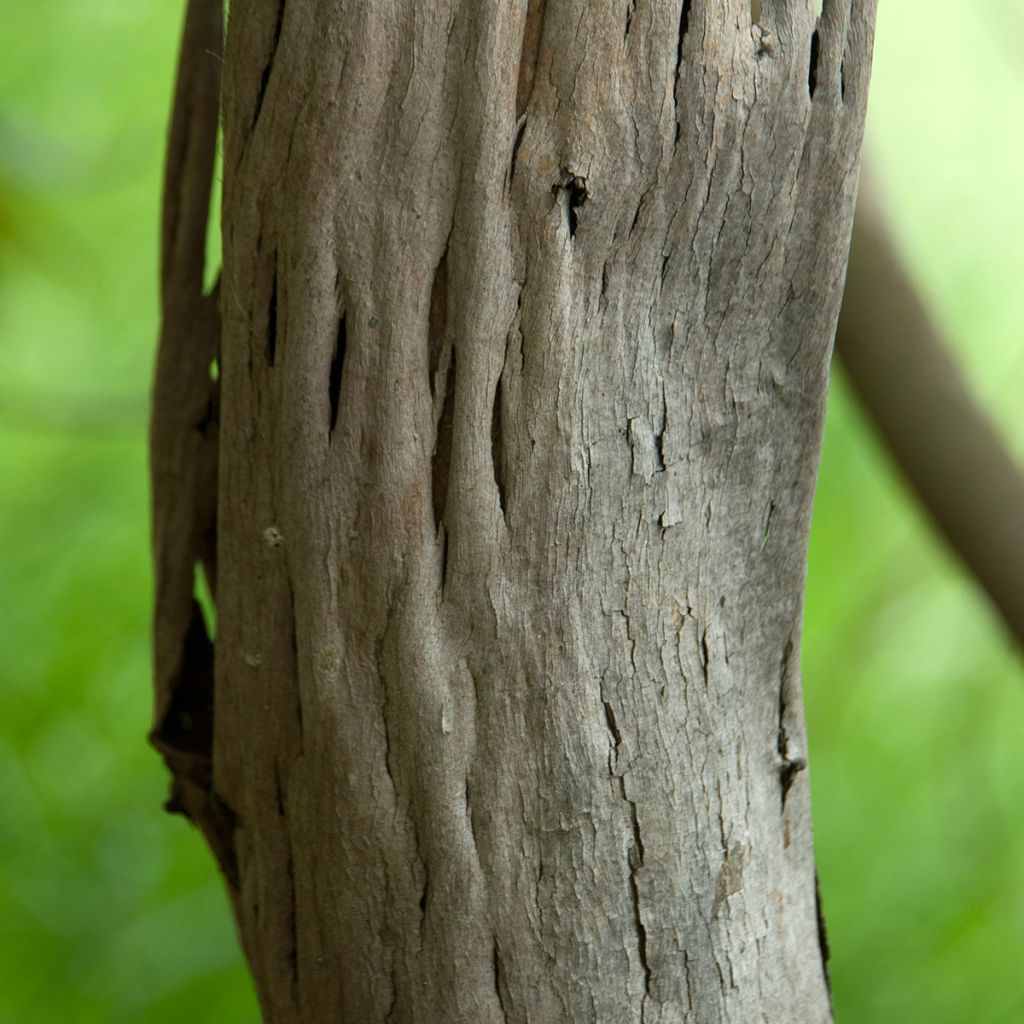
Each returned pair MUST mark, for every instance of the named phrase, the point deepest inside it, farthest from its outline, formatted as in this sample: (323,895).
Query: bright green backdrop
(111,912)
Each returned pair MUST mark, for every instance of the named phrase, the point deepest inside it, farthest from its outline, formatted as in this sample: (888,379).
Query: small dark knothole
(441,460)
(812,76)
(630,10)
(497,459)
(571,193)
(337,367)
(272,323)
(842,81)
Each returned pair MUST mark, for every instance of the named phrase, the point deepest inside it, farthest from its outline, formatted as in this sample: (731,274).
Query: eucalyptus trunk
(524,328)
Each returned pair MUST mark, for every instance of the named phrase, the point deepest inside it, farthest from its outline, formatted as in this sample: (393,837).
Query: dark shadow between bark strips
(442,455)
(336,372)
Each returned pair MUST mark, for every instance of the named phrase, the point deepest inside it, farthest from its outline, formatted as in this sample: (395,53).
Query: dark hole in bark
(437,319)
(812,76)
(443,445)
(337,367)
(272,323)
(631,7)
(842,81)
(571,192)
(496,450)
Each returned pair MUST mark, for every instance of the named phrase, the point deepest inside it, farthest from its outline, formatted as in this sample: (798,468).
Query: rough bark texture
(527,312)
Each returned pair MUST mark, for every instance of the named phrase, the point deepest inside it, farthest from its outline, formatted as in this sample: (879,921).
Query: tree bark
(527,311)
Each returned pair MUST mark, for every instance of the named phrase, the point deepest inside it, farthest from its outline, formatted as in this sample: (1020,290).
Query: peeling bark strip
(484,765)
(183,444)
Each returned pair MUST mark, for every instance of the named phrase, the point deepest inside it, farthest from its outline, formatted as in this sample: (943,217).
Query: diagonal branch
(942,440)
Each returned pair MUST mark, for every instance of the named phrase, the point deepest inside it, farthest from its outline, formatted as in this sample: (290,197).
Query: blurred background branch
(949,450)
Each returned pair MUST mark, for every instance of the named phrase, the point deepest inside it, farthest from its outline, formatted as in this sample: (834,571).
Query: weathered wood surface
(526,317)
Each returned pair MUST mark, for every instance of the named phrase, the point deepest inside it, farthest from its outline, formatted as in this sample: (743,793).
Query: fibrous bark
(526,317)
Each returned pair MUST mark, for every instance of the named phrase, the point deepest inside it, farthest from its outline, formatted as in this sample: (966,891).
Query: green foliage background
(111,911)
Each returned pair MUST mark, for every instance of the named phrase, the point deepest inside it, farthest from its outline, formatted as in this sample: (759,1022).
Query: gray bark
(526,311)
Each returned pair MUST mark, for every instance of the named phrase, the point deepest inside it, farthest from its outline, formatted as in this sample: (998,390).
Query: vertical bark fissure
(823,947)
(497,455)
(812,70)
(636,862)
(533,30)
(630,11)
(520,132)
(791,762)
(272,319)
(337,370)
(268,67)
(500,985)
(442,454)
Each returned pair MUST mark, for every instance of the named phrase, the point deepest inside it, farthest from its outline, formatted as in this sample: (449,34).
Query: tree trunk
(526,310)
